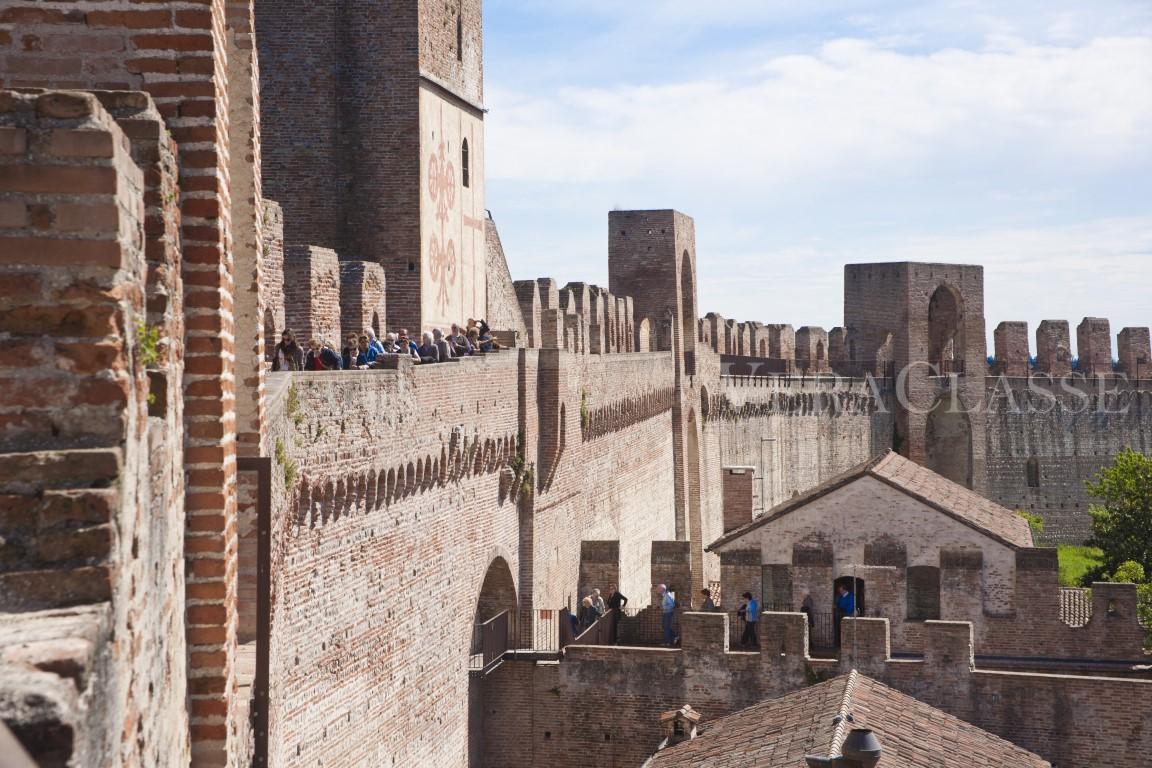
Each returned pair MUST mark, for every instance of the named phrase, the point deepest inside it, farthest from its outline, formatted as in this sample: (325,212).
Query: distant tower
(373,142)
(927,320)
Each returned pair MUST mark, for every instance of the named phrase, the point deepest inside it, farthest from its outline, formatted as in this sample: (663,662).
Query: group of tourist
(363,351)
(593,606)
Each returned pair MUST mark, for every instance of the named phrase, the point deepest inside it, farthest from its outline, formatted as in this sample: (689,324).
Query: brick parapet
(624,690)
(90,431)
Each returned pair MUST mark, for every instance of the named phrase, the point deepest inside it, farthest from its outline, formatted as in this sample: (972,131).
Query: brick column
(1094,347)
(737,482)
(1053,350)
(1011,341)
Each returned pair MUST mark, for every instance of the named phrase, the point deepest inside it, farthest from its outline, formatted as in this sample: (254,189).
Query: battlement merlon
(1054,352)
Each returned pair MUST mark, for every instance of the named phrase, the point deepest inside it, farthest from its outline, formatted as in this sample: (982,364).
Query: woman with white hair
(427,350)
(373,342)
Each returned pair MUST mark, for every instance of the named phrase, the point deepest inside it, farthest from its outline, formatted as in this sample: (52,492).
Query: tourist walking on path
(616,603)
(667,612)
(750,610)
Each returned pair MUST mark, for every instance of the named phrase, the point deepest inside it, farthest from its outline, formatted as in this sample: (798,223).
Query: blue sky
(805,135)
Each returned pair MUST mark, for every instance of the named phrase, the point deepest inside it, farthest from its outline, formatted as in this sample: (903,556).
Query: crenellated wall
(797,432)
(406,485)
(409,505)
(604,702)
(91,456)
(1068,430)
(398,504)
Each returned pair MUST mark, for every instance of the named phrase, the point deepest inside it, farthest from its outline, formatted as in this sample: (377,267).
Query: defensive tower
(374,142)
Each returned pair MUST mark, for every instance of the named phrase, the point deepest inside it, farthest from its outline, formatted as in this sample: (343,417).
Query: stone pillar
(1094,347)
(312,294)
(1011,339)
(740,572)
(837,347)
(528,297)
(865,644)
(704,632)
(362,297)
(1053,348)
(599,566)
(1135,355)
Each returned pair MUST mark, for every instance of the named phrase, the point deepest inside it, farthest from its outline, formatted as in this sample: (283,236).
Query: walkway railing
(543,633)
(600,632)
(821,627)
(490,641)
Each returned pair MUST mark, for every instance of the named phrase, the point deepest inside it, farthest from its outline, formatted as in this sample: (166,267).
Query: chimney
(679,725)
(861,749)
(737,488)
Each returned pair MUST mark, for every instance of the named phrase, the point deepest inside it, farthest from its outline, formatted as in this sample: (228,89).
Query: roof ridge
(815,492)
(839,732)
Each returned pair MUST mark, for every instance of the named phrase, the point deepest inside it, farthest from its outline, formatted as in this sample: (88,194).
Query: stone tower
(652,257)
(373,142)
(926,323)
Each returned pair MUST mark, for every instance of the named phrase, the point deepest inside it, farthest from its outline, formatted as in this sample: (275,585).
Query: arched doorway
(494,619)
(948,440)
(855,587)
(688,313)
(946,330)
(644,336)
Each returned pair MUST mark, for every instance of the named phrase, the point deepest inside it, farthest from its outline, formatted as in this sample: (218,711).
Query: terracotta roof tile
(780,732)
(907,476)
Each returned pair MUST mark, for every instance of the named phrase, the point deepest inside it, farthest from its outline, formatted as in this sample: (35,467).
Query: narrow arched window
(460,39)
(465,164)
(1032,472)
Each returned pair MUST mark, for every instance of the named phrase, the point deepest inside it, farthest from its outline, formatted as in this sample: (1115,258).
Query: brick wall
(1053,348)
(772,423)
(92,488)
(1071,429)
(604,703)
(1094,347)
(312,294)
(362,297)
(1135,352)
(504,311)
(1011,339)
(739,498)
(174,51)
(400,512)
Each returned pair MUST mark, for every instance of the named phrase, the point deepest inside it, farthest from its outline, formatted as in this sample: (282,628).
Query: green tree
(1133,573)
(1129,572)
(1122,524)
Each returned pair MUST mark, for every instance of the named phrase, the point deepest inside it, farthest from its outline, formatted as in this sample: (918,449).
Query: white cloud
(851,109)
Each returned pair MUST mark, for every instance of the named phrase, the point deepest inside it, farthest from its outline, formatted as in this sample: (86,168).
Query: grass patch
(287,464)
(1076,561)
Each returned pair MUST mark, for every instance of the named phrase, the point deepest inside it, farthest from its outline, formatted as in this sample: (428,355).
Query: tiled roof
(921,483)
(780,732)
